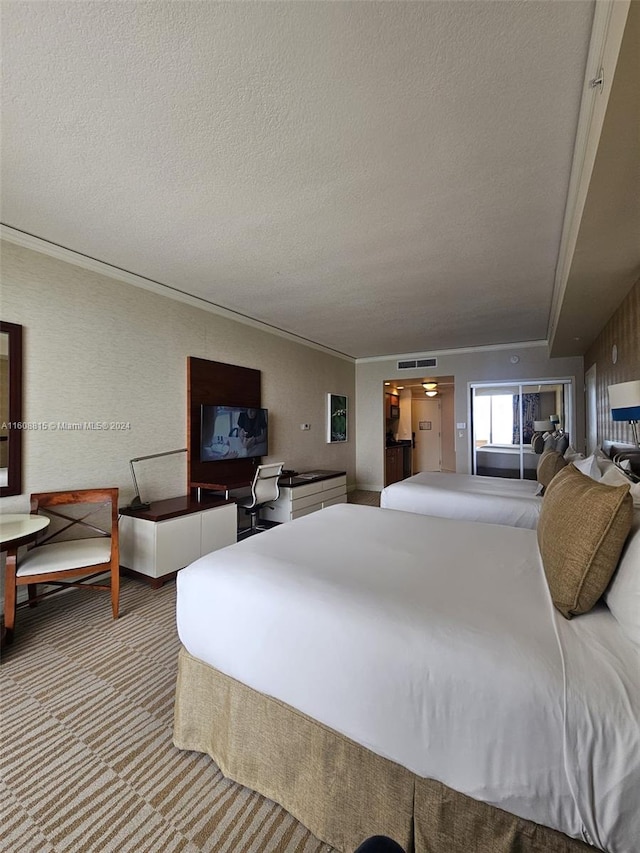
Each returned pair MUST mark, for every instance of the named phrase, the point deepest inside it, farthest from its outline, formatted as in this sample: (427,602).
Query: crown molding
(69,256)
(609,20)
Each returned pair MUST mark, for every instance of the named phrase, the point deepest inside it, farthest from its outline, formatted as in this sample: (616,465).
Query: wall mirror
(506,417)
(10,409)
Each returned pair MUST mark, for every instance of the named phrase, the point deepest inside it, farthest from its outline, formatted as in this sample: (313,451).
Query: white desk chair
(264,490)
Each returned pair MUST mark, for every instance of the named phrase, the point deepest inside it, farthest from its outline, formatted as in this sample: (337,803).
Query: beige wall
(623,331)
(492,365)
(96,349)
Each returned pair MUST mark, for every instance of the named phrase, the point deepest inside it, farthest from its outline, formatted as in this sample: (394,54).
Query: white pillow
(588,466)
(614,477)
(623,594)
(571,454)
(605,464)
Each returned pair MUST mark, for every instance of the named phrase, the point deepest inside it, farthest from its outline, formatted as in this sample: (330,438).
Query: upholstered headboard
(618,452)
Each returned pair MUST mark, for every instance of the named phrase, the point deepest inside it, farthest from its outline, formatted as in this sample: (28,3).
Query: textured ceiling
(375,177)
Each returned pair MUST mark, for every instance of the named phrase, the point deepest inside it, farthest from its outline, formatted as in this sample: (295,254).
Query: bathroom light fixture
(429,386)
(431,393)
(624,399)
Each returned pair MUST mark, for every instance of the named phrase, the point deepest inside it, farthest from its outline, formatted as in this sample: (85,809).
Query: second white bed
(467,497)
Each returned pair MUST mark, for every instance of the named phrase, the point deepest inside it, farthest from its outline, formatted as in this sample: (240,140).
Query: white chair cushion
(62,556)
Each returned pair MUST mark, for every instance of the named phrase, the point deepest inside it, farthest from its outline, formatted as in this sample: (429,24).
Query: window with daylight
(493,419)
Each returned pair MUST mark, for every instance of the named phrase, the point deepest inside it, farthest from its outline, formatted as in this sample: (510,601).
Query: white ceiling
(376,177)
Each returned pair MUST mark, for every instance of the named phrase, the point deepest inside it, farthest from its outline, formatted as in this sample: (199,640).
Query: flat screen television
(232,432)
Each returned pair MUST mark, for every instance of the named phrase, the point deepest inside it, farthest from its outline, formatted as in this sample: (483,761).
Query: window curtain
(530,413)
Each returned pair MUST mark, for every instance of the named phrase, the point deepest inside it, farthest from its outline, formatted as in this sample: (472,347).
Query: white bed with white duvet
(433,643)
(468,497)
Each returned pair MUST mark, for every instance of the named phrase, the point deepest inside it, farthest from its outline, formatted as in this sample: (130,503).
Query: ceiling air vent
(417,362)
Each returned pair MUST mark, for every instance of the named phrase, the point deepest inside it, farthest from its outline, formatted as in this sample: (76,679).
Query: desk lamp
(137,503)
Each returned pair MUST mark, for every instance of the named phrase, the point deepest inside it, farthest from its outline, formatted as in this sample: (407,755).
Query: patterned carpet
(87,762)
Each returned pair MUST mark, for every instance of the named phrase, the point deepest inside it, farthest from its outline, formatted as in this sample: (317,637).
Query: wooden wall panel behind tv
(216,383)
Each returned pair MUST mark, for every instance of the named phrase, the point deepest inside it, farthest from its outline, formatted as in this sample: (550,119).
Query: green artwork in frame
(337,409)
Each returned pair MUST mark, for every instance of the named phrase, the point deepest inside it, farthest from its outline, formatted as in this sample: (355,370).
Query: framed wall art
(337,412)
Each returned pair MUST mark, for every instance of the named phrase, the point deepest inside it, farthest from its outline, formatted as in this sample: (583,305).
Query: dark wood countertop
(173,508)
(305,477)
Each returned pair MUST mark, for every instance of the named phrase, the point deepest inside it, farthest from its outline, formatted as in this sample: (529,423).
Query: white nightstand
(307,493)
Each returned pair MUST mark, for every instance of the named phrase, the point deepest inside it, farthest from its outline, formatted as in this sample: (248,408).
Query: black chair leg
(249,531)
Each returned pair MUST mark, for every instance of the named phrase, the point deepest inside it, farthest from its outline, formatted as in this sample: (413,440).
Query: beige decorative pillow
(548,466)
(582,529)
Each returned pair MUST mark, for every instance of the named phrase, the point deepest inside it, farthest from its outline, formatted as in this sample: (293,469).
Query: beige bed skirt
(339,790)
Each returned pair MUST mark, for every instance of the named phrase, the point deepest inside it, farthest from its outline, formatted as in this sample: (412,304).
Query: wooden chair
(75,545)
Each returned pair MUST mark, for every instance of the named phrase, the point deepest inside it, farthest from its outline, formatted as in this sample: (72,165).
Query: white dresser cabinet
(173,533)
(307,493)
